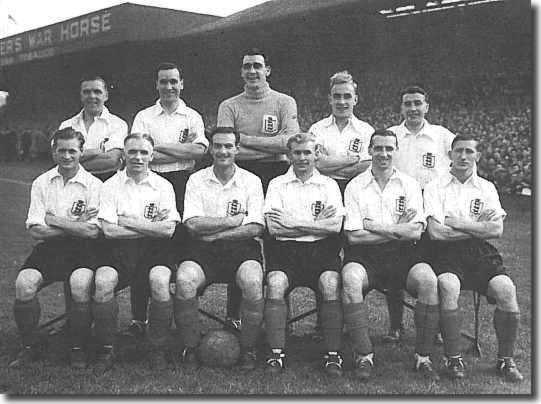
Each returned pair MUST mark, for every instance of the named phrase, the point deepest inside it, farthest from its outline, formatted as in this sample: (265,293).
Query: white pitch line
(15,181)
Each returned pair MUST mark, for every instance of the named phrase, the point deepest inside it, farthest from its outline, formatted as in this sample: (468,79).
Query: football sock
(160,317)
(275,322)
(394,299)
(356,322)
(26,315)
(139,297)
(187,320)
(79,320)
(450,331)
(506,326)
(427,323)
(332,323)
(234,297)
(251,315)
(105,321)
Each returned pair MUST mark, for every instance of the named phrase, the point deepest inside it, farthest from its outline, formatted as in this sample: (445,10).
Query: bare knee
(422,283)
(250,280)
(503,290)
(27,284)
(106,279)
(449,290)
(354,281)
(277,285)
(190,277)
(81,284)
(329,285)
(159,278)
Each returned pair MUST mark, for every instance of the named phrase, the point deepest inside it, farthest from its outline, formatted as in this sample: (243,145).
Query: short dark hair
(144,136)
(93,77)
(168,66)
(67,134)
(226,130)
(301,138)
(384,133)
(254,52)
(464,138)
(413,90)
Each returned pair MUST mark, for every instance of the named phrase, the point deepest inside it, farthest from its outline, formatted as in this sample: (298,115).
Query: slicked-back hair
(67,134)
(342,77)
(254,52)
(413,90)
(464,138)
(94,77)
(144,136)
(169,66)
(301,138)
(384,133)
(226,130)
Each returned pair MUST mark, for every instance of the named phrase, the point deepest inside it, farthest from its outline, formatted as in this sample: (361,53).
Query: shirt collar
(181,108)
(235,180)
(82,176)
(367,177)
(316,177)
(149,180)
(105,115)
(423,132)
(449,178)
(353,121)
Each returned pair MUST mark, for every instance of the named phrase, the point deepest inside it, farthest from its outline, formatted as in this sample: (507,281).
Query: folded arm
(77,228)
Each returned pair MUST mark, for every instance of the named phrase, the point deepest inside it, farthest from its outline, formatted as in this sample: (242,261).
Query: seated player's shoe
(455,367)
(188,357)
(157,359)
(276,362)
(248,360)
(423,365)
(363,365)
(105,358)
(438,339)
(78,358)
(27,355)
(135,331)
(394,336)
(333,364)
(232,324)
(507,368)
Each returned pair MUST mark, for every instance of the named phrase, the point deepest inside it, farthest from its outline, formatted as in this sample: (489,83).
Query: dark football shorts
(475,262)
(133,258)
(303,262)
(57,259)
(221,259)
(387,264)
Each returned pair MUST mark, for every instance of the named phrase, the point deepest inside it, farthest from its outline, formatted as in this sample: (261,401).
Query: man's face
(67,153)
(342,99)
(414,108)
(254,72)
(169,85)
(138,155)
(93,96)
(303,157)
(223,149)
(382,151)
(464,155)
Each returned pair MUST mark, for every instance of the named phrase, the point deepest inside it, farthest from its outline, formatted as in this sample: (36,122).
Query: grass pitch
(393,373)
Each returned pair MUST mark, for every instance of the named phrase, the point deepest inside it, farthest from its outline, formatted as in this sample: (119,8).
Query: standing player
(384,216)
(64,203)
(422,154)
(137,212)
(304,211)
(179,135)
(463,212)
(223,248)
(265,119)
(343,138)
(104,132)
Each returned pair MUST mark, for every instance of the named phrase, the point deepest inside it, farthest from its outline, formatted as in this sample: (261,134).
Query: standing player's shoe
(455,367)
(78,358)
(333,364)
(276,362)
(363,365)
(393,337)
(423,365)
(507,368)
(135,331)
(105,359)
(248,360)
(232,324)
(27,355)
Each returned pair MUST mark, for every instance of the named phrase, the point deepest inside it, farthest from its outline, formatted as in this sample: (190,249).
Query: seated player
(64,203)
(464,211)
(138,214)
(304,212)
(223,208)
(384,216)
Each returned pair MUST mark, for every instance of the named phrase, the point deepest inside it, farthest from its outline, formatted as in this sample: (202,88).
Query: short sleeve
(255,203)
(415,198)
(493,200)
(139,124)
(198,127)
(354,216)
(193,200)
(94,199)
(118,133)
(272,200)
(335,197)
(168,201)
(433,204)
(37,209)
(108,203)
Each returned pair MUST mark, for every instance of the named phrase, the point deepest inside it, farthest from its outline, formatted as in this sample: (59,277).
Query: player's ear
(267,71)
(181,84)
